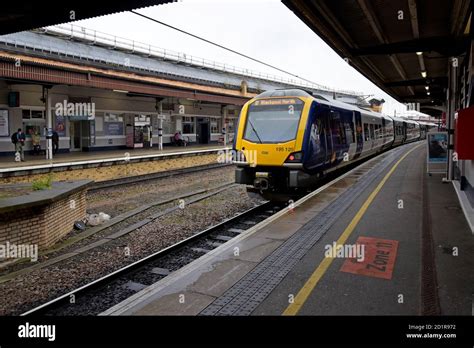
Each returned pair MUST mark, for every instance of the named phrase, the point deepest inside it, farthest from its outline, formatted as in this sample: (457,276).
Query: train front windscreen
(273,120)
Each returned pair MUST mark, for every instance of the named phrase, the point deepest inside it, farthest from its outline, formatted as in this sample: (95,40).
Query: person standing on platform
(55,139)
(18,139)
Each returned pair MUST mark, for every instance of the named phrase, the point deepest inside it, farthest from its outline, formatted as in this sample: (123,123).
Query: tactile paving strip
(244,296)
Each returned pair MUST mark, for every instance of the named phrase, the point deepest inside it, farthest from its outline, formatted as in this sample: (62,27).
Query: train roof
(410,121)
(342,105)
(427,123)
(398,119)
(294,92)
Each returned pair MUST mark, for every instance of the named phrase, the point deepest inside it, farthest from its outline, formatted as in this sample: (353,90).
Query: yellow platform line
(308,287)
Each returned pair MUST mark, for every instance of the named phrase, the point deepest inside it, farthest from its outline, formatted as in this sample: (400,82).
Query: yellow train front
(287,139)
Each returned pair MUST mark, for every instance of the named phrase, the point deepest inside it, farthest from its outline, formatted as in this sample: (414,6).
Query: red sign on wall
(463,139)
(379,258)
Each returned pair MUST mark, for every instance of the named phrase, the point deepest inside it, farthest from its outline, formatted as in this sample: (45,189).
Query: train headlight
(294,157)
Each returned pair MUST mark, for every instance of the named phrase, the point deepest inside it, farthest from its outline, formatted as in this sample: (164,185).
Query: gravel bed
(27,291)
(120,199)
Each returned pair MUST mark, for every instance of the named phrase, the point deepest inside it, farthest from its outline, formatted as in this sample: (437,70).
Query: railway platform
(8,163)
(383,239)
(108,165)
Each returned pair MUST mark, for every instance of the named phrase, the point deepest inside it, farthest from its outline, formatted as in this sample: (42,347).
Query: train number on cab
(284,149)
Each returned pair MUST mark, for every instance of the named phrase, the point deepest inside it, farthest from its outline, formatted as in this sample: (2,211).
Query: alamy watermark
(19,251)
(350,251)
(231,156)
(75,109)
(37,331)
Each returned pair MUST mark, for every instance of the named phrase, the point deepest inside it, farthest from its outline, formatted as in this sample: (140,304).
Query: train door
(383,131)
(372,136)
(358,130)
(326,125)
(320,145)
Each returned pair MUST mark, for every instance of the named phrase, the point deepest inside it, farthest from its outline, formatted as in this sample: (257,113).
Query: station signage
(437,152)
(279,101)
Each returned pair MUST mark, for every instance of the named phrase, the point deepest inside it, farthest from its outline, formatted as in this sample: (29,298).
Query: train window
(337,128)
(379,131)
(372,133)
(366,132)
(349,129)
(388,129)
(270,120)
(342,131)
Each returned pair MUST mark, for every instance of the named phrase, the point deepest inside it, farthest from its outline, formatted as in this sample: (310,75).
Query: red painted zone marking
(379,258)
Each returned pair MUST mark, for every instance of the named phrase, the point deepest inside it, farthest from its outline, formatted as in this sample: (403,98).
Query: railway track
(100,185)
(120,226)
(101,294)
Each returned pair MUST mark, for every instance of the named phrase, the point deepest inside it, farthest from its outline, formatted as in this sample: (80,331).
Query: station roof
(381,40)
(78,49)
(18,16)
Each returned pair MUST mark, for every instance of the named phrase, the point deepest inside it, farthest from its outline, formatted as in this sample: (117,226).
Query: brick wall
(43,225)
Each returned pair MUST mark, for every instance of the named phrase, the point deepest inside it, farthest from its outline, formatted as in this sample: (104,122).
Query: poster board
(437,152)
(4,130)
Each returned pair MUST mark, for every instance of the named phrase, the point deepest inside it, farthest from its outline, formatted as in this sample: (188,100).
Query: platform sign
(437,152)
(379,258)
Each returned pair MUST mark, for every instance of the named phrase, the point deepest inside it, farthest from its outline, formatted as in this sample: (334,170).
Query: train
(287,140)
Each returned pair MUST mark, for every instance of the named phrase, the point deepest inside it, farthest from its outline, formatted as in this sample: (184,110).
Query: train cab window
(366,132)
(273,120)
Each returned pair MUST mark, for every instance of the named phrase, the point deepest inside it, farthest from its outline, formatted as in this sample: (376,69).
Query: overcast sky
(263,29)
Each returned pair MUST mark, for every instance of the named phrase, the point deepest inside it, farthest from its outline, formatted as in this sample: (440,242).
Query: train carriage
(287,139)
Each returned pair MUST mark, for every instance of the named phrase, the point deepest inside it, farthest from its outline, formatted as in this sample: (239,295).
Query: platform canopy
(400,45)
(20,15)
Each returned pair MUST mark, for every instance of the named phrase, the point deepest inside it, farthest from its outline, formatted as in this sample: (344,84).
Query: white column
(452,78)
(49,125)
(160,127)
(224,128)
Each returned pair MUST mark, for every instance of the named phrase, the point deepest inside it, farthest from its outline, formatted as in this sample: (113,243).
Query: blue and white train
(287,139)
